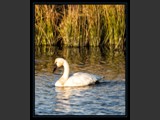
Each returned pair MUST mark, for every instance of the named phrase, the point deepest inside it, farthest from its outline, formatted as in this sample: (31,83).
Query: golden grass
(80,25)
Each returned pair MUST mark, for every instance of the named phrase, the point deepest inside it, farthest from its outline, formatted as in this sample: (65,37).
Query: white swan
(77,79)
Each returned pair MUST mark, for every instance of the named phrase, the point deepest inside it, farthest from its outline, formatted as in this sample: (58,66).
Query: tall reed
(80,25)
(46,19)
(114,15)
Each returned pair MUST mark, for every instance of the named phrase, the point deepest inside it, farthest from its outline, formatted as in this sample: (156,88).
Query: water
(104,98)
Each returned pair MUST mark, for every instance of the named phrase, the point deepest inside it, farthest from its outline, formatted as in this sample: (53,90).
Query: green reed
(114,26)
(45,25)
(80,25)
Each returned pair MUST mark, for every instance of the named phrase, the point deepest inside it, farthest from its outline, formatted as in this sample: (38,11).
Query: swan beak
(54,68)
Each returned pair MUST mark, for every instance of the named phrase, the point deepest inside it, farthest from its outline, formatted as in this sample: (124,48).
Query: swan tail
(100,79)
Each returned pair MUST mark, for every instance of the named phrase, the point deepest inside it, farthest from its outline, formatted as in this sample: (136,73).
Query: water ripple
(105,98)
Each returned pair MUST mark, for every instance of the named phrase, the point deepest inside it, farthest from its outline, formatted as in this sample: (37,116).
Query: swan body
(77,79)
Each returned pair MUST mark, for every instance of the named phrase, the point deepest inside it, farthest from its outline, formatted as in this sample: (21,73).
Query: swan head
(58,63)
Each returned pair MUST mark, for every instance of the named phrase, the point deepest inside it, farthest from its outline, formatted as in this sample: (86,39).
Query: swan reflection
(63,96)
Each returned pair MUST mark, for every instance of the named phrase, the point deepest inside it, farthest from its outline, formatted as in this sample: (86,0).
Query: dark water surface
(104,98)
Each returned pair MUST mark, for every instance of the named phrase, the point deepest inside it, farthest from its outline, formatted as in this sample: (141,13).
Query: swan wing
(81,79)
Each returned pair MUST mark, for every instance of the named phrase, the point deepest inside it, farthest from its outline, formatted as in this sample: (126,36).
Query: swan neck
(66,70)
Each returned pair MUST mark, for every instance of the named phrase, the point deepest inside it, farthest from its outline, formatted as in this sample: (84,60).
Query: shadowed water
(104,98)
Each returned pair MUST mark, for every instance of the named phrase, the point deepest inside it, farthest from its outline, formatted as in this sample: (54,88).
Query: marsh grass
(80,25)
(46,25)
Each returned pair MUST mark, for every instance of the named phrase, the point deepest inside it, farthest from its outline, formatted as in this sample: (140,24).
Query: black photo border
(32,58)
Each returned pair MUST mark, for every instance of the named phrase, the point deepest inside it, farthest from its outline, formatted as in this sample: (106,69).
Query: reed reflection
(96,60)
